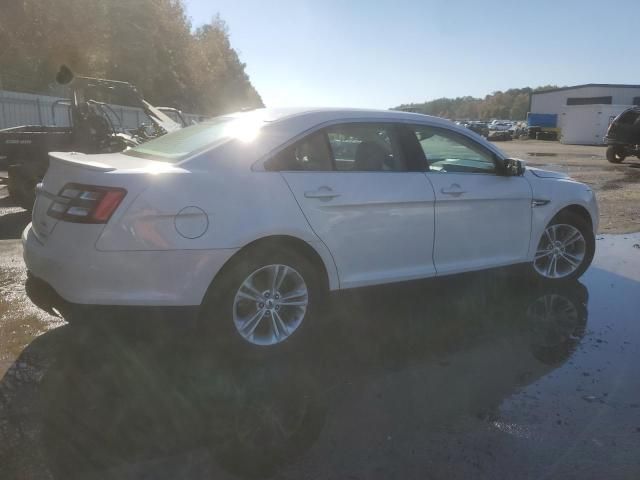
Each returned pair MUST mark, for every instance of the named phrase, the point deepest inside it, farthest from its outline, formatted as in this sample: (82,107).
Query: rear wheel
(264,298)
(615,154)
(21,187)
(565,249)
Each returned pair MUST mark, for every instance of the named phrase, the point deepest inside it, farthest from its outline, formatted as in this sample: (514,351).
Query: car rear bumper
(146,278)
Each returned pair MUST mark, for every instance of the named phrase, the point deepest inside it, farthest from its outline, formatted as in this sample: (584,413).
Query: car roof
(321,115)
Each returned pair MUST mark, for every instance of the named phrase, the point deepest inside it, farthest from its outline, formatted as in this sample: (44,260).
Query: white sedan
(254,216)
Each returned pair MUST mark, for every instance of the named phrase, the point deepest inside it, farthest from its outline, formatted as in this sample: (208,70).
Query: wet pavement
(477,376)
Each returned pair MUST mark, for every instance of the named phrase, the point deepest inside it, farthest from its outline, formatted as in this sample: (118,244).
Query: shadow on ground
(119,394)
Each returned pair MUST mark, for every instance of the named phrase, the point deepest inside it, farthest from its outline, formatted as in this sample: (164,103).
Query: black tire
(216,314)
(21,188)
(579,222)
(615,154)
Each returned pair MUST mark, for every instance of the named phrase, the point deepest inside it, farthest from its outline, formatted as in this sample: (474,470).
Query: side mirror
(513,167)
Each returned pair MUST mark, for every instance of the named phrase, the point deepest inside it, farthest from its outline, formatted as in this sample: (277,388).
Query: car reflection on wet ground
(475,376)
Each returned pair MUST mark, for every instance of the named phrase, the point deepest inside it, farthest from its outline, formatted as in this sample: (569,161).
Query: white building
(584,112)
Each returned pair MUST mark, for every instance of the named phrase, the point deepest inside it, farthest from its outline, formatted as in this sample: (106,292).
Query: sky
(382,53)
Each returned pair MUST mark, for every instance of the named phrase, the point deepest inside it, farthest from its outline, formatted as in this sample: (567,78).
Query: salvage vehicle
(499,135)
(623,136)
(175,115)
(92,130)
(253,217)
(500,125)
(481,128)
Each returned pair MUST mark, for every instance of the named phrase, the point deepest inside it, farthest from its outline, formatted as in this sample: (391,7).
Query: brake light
(86,203)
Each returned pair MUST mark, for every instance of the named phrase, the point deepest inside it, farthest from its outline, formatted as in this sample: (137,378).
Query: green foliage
(149,43)
(512,104)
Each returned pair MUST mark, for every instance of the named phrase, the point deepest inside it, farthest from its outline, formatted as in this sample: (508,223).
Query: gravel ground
(617,186)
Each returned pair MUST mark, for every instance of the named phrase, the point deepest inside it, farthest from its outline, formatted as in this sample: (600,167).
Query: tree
(148,43)
(512,104)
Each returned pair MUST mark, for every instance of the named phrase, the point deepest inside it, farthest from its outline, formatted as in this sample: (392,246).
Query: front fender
(558,195)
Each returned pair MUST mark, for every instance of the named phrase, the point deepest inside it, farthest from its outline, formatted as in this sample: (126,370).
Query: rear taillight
(86,203)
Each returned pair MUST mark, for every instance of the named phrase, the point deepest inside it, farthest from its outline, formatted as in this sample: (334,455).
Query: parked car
(480,128)
(500,125)
(623,136)
(499,135)
(254,216)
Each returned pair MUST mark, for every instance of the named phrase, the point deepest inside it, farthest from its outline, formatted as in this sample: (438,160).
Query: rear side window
(366,147)
(309,154)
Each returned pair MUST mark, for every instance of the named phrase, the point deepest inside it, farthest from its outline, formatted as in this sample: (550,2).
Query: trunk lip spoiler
(67,157)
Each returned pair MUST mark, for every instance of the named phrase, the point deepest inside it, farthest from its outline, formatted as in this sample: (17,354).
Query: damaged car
(254,217)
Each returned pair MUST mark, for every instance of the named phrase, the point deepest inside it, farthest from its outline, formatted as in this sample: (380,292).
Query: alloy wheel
(270,305)
(560,252)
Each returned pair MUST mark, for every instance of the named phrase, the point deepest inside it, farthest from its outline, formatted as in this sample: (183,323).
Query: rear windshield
(186,142)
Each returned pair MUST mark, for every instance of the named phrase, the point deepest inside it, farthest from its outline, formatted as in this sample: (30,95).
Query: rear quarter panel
(240,206)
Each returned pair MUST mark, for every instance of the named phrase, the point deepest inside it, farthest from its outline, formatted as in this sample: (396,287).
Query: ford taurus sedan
(254,216)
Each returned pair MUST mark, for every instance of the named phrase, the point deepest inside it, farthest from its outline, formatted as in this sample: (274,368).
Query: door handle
(322,193)
(453,189)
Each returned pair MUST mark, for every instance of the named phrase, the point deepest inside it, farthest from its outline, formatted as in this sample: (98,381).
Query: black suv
(623,136)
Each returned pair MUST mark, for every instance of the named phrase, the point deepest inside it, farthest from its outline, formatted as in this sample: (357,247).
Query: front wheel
(615,154)
(263,299)
(565,249)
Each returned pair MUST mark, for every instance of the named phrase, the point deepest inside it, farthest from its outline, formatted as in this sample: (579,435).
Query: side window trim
(258,165)
(332,156)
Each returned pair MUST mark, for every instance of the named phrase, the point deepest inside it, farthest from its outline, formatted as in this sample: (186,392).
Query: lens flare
(244,129)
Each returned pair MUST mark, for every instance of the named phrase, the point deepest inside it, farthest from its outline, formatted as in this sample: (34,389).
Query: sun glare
(245,129)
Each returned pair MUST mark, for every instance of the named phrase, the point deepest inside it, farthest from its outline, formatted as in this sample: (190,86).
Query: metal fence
(30,109)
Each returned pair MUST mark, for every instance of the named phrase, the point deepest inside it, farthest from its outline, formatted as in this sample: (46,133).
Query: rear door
(373,209)
(482,218)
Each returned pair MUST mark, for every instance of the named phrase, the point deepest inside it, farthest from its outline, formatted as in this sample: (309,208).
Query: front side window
(450,152)
(366,147)
(309,154)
